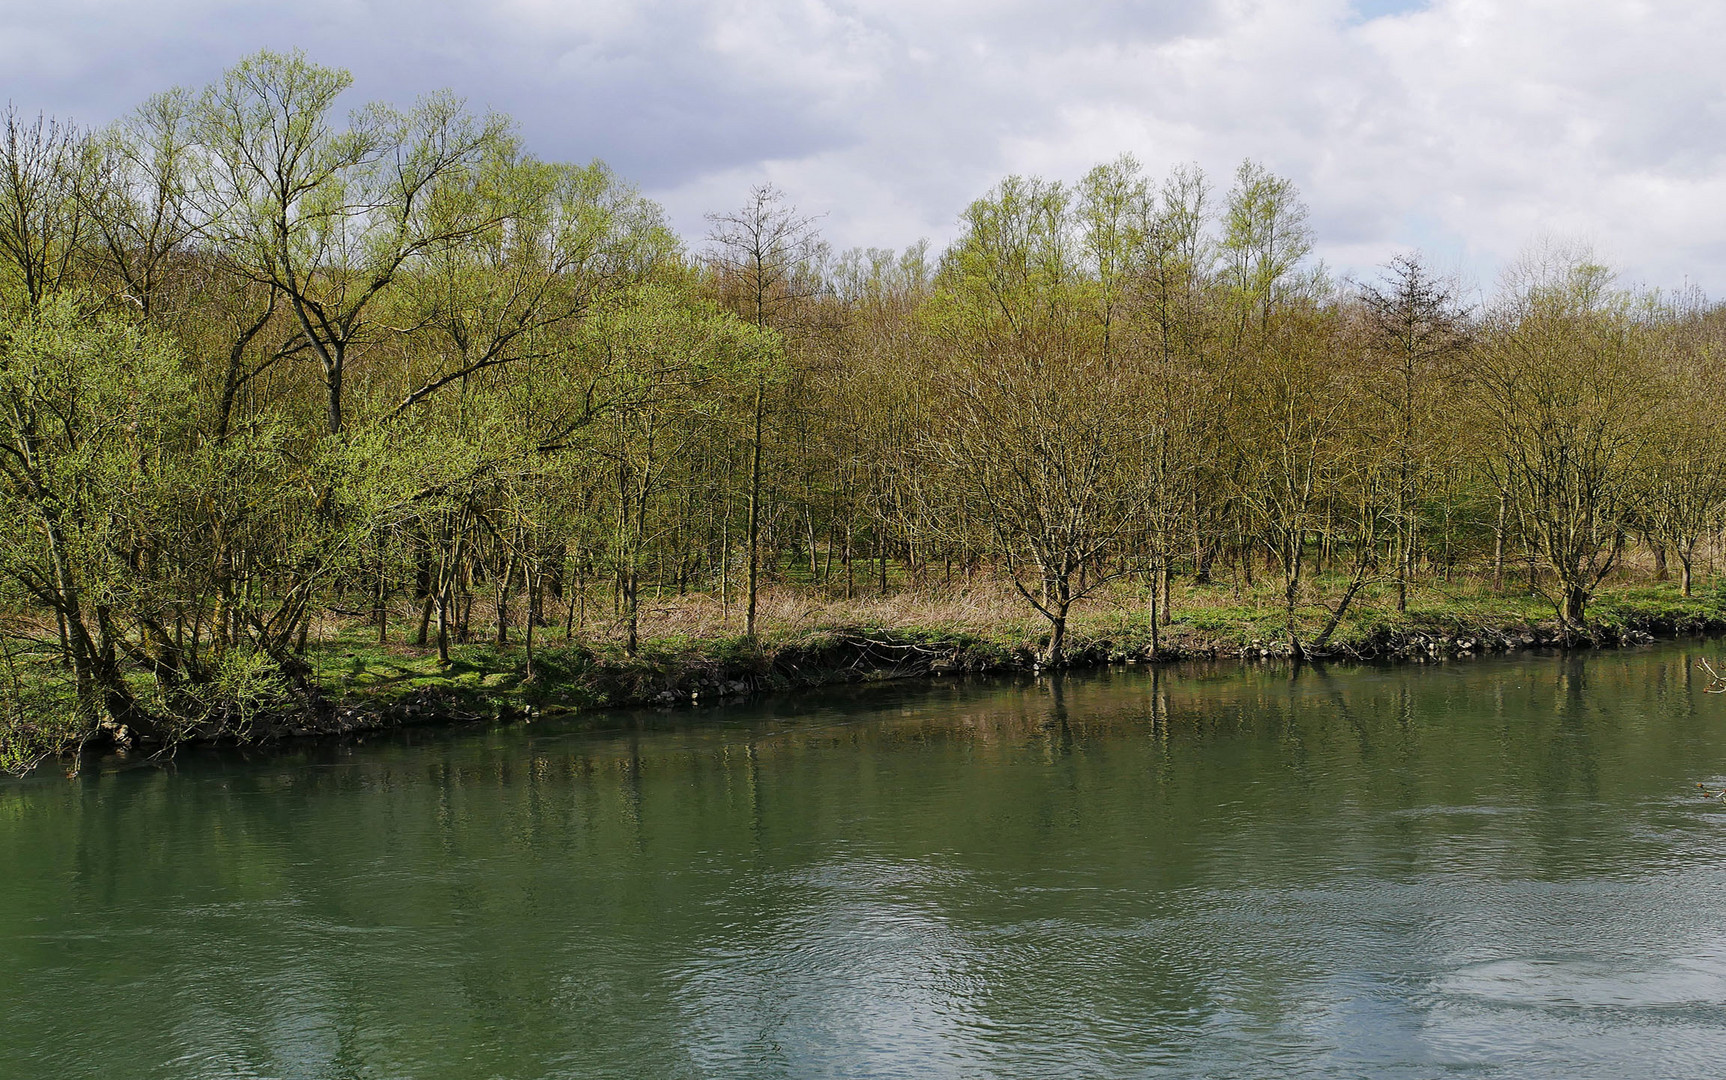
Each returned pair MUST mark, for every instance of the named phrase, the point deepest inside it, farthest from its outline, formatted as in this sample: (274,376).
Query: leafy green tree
(668,358)
(1266,239)
(1038,443)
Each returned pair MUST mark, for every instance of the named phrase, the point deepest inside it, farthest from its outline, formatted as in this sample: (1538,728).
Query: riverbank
(691,656)
(372,687)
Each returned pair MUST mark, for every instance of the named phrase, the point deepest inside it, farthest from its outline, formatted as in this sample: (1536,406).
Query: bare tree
(766,254)
(1416,333)
(1564,380)
(43,184)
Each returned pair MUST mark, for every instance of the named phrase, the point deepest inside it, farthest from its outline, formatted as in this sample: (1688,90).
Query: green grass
(1223,619)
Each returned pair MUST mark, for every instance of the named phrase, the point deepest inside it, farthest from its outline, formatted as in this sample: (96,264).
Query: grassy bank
(691,653)
(688,656)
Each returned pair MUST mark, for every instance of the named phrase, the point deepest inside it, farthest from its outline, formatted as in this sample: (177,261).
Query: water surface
(1498,867)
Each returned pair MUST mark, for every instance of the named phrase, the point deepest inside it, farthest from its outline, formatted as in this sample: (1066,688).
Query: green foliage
(39,713)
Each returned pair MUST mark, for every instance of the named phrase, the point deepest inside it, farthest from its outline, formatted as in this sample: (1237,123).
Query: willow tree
(878,403)
(1683,487)
(554,241)
(106,522)
(331,216)
(1289,410)
(1264,247)
(1288,399)
(1175,319)
(142,205)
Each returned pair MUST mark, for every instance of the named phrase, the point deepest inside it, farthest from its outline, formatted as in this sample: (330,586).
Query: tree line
(261,362)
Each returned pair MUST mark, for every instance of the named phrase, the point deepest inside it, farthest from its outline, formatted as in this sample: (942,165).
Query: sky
(1467,129)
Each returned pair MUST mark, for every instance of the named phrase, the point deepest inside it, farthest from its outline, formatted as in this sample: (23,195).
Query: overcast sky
(1466,128)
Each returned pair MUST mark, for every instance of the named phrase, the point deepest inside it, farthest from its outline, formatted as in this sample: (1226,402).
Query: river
(1493,867)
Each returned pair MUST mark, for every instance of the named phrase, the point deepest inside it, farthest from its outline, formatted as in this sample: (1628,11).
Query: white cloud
(1467,127)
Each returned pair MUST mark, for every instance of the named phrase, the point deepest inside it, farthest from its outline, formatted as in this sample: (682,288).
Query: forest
(276,374)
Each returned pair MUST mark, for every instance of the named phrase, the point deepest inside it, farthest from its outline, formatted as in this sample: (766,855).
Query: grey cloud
(1462,124)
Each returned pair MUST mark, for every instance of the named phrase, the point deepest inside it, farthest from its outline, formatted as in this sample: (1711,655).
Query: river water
(1498,867)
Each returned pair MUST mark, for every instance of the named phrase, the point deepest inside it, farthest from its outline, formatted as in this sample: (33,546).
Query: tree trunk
(464,603)
(1156,614)
(504,581)
(333,381)
(632,611)
(382,600)
(1498,547)
(725,561)
(532,617)
(1575,606)
(850,567)
(809,535)
(1291,595)
(1203,556)
(1402,546)
(425,620)
(1056,654)
(1335,620)
(65,640)
(443,623)
(755,510)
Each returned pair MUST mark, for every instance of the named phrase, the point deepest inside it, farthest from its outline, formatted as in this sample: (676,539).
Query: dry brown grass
(782,610)
(791,610)
(984,605)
